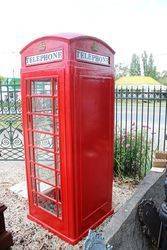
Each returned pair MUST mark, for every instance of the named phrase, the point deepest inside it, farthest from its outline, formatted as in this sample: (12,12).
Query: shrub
(132,154)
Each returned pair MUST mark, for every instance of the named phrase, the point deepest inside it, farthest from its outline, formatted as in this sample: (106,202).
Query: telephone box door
(94,125)
(43,112)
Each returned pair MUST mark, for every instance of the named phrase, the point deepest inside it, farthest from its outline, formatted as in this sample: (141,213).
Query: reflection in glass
(43,140)
(47,204)
(44,117)
(43,123)
(45,188)
(41,87)
(42,156)
(45,174)
(41,105)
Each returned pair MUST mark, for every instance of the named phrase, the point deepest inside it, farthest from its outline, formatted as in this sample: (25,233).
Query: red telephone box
(68,120)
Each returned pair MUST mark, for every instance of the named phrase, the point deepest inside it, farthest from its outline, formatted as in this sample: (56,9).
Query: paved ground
(28,235)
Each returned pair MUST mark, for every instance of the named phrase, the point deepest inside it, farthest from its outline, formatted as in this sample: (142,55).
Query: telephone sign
(92,58)
(44,58)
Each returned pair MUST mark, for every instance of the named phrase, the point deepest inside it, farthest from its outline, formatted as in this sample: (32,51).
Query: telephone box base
(64,237)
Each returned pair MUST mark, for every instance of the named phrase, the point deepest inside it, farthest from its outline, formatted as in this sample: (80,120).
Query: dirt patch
(28,235)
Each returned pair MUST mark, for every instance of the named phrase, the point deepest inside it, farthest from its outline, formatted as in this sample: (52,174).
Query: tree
(140,65)
(144,57)
(121,70)
(1,78)
(149,69)
(163,77)
(135,69)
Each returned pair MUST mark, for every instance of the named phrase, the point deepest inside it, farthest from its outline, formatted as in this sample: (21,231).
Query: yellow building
(138,82)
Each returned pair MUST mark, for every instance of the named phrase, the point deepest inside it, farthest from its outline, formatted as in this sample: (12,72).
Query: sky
(128,26)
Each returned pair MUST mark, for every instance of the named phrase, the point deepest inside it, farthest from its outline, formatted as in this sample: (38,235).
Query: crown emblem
(42,46)
(94,47)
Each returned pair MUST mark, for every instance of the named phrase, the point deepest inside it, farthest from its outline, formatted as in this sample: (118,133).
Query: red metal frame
(79,195)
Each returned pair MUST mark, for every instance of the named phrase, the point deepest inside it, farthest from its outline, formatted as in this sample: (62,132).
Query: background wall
(124,231)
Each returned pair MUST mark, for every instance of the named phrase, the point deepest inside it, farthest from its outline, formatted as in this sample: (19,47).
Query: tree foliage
(149,69)
(1,78)
(121,70)
(135,69)
(163,77)
(143,65)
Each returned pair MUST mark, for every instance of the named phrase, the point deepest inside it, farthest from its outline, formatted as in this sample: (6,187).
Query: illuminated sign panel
(92,58)
(44,58)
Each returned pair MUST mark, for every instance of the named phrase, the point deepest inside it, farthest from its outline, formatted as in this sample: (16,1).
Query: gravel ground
(28,235)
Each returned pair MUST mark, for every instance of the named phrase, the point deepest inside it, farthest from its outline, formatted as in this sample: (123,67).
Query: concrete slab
(20,189)
(159,170)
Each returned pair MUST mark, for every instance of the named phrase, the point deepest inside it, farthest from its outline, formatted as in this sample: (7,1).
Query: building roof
(136,81)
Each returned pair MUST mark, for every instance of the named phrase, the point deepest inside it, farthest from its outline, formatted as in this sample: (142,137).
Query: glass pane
(47,204)
(45,174)
(43,157)
(43,123)
(48,190)
(43,141)
(41,87)
(44,188)
(41,105)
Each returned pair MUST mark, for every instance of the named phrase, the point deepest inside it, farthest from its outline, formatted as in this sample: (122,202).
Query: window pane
(41,87)
(41,105)
(49,191)
(47,204)
(45,188)
(45,174)
(42,157)
(43,123)
(43,141)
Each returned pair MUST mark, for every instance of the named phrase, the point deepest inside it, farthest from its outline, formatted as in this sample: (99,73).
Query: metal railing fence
(140,128)
(11,137)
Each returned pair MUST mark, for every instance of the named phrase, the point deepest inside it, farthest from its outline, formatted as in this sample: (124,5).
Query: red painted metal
(68,120)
